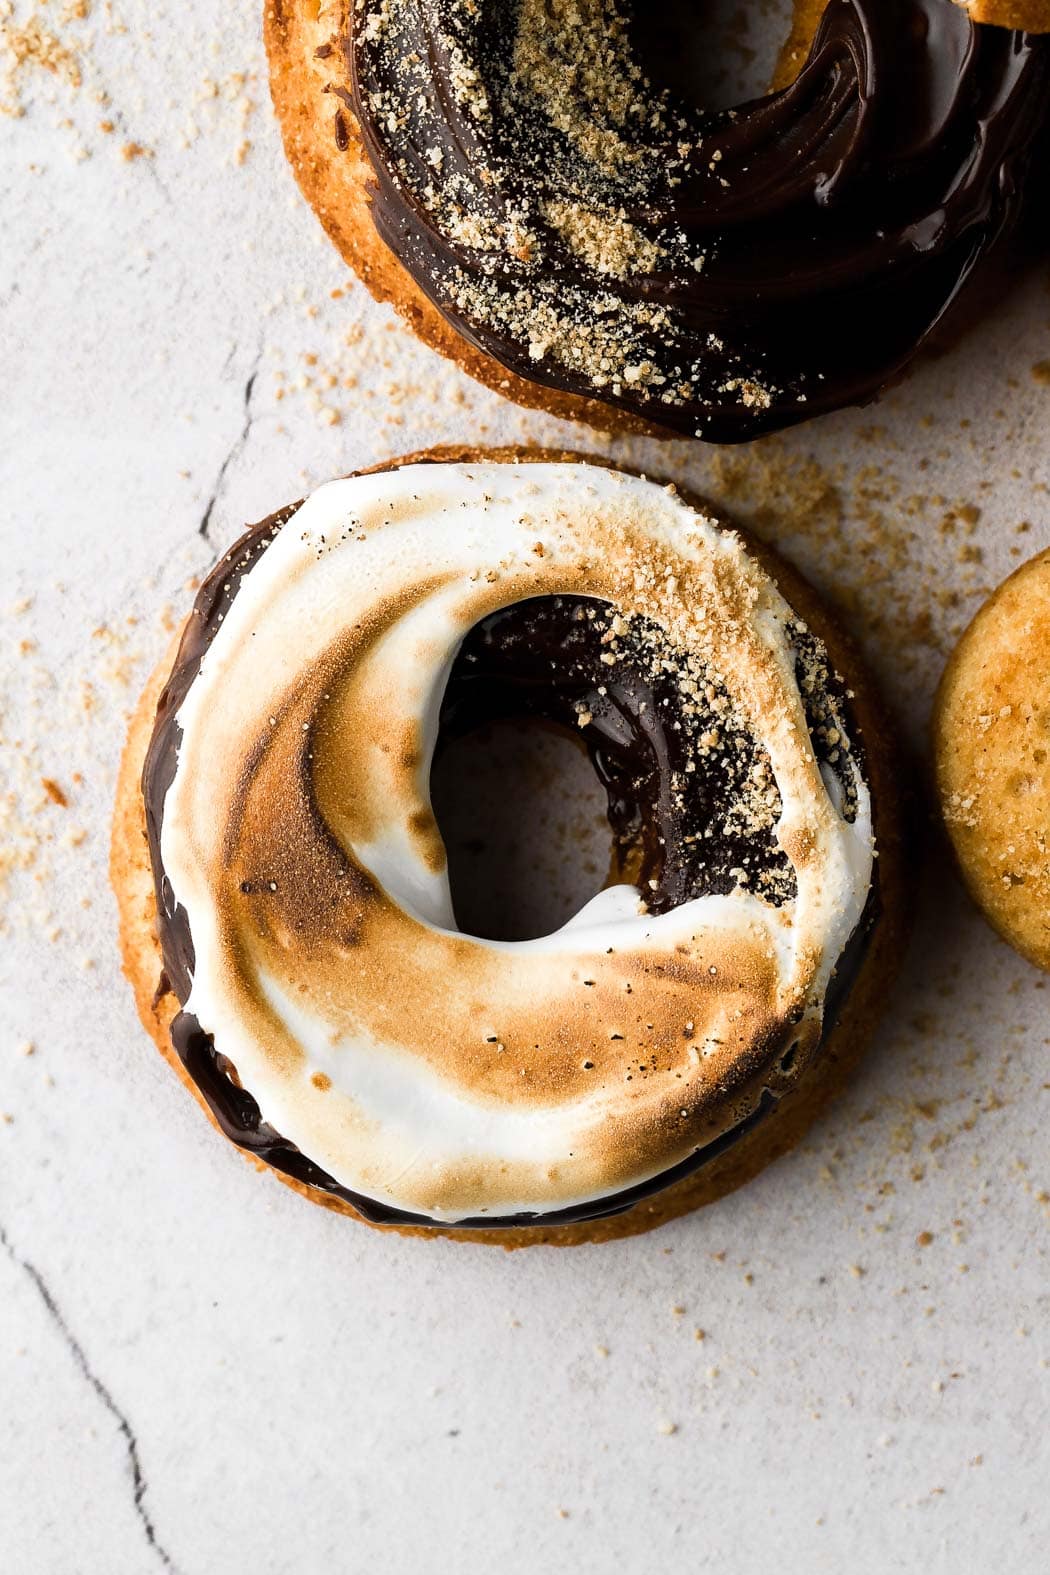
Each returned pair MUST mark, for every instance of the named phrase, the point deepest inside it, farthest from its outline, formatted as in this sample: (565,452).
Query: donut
(513,178)
(991,732)
(286,913)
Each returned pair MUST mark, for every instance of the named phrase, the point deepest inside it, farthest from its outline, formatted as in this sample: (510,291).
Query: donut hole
(523,819)
(690,805)
(715,60)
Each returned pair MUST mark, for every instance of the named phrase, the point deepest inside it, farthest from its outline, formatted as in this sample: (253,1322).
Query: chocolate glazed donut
(721,274)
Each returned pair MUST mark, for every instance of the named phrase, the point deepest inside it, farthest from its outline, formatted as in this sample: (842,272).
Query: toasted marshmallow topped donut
(337,1020)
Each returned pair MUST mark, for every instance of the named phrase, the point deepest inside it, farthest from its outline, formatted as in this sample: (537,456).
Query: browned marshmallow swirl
(436,1074)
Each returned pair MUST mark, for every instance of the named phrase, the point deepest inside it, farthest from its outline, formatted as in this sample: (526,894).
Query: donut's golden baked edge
(132,879)
(1030,16)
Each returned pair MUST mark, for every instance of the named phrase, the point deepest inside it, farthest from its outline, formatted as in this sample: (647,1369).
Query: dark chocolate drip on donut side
(158,771)
(539,658)
(721,274)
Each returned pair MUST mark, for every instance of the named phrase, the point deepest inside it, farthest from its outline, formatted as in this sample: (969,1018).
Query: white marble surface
(197,1370)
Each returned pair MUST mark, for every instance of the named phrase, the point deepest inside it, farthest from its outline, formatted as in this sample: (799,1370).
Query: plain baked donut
(992,749)
(286,915)
(506,174)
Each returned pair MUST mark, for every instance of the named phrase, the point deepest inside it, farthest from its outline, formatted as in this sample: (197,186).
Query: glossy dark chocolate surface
(836,222)
(539,658)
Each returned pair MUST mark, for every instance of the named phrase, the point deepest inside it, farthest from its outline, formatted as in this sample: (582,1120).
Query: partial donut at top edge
(720,274)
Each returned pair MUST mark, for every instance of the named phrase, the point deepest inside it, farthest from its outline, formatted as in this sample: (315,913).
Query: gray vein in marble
(76,1350)
(204,528)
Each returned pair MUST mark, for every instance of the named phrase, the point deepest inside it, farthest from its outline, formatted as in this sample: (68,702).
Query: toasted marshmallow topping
(436,1072)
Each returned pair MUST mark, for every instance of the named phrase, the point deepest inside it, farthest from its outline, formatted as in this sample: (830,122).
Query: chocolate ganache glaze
(543,658)
(721,273)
